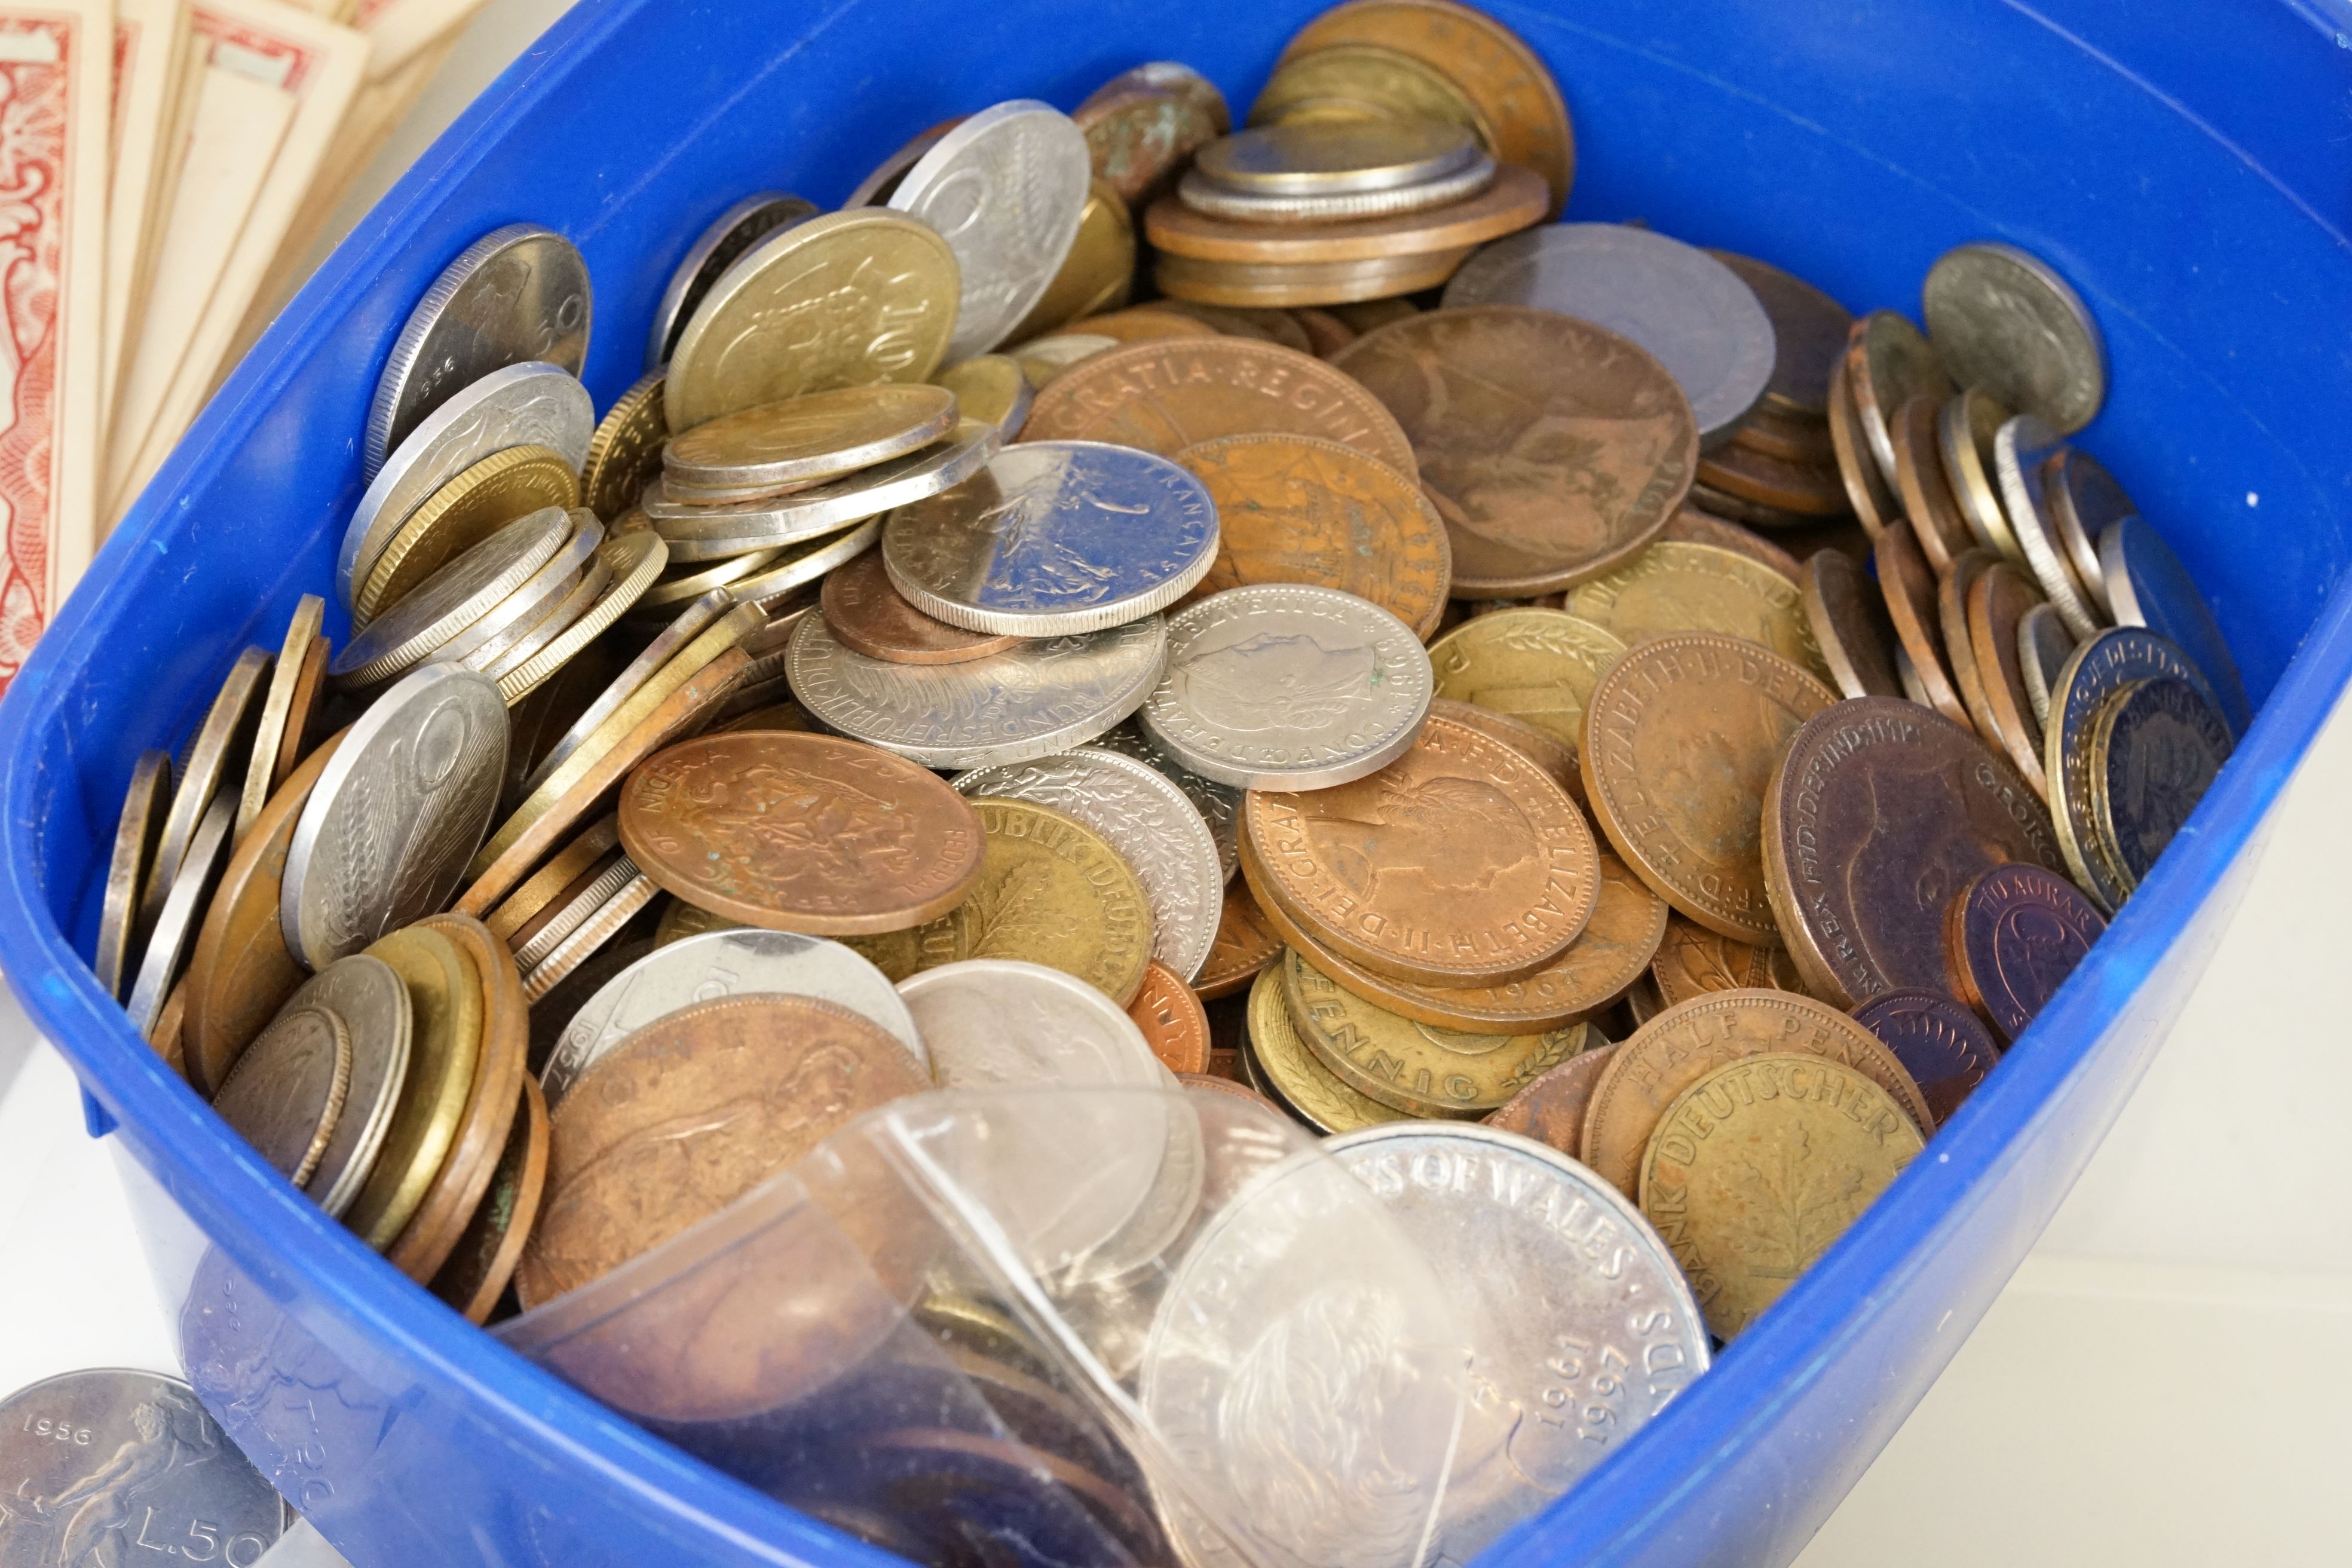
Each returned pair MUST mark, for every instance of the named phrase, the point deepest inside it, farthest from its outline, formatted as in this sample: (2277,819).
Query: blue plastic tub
(2181,165)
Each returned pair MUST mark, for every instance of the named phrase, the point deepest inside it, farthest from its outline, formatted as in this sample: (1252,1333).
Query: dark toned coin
(1849,620)
(478,1271)
(2011,938)
(1923,487)
(1809,333)
(867,613)
(1143,126)
(1998,603)
(1551,1108)
(1872,499)
(1878,812)
(1693,960)
(1909,585)
(1786,484)
(1244,945)
(1942,1045)
(2155,751)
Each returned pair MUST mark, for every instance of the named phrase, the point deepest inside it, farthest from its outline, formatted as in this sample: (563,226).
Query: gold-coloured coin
(1145,324)
(1291,1074)
(542,887)
(1535,665)
(445,1004)
(1043,359)
(1672,587)
(631,562)
(686,581)
(991,389)
(479,501)
(1098,273)
(277,709)
(1052,890)
(1759,1166)
(1365,81)
(625,452)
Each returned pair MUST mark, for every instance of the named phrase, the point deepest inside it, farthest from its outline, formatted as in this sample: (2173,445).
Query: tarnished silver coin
(1285,687)
(137,833)
(372,1005)
(1147,820)
(528,405)
(2149,587)
(397,815)
(1206,195)
(1054,536)
(452,599)
(602,925)
(285,1096)
(173,936)
(715,532)
(1028,701)
(2042,644)
(1219,805)
(1006,188)
(481,644)
(576,911)
(1691,312)
(2021,450)
(1582,1325)
(92,1464)
(518,294)
(717,964)
(714,250)
(2003,320)
(224,738)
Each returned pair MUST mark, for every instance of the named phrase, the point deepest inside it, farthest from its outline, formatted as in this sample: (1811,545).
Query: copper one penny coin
(1849,623)
(1555,756)
(1555,450)
(1959,653)
(1458,864)
(801,832)
(2012,938)
(1693,960)
(480,1267)
(1551,1110)
(867,613)
(1172,1020)
(1997,603)
(1680,738)
(1923,487)
(1909,585)
(1166,395)
(1942,1045)
(1879,812)
(1244,944)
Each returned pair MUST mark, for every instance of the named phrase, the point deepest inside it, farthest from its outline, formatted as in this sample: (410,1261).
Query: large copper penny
(484,1260)
(1959,652)
(1797,485)
(2012,938)
(1809,333)
(1909,585)
(1680,739)
(867,613)
(1997,602)
(1873,496)
(1693,960)
(1458,864)
(800,832)
(1298,509)
(690,1113)
(1942,1045)
(1879,812)
(1244,945)
(1171,1019)
(1686,1043)
(1555,756)
(1551,1108)
(1163,395)
(1554,450)
(1888,361)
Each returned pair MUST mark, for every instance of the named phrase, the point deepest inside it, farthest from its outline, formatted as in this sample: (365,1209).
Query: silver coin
(396,813)
(1205,195)
(1582,1325)
(688,625)
(796,566)
(2042,644)
(452,599)
(1356,157)
(369,997)
(2021,448)
(1281,686)
(1147,820)
(1692,313)
(2084,498)
(1006,189)
(1027,701)
(2149,587)
(608,884)
(2002,320)
(1054,536)
(185,901)
(714,250)
(603,925)
(518,294)
(94,1463)
(760,451)
(741,962)
(512,617)
(285,1094)
(528,405)
(1220,804)
(876,187)
(137,833)
(715,532)
(225,734)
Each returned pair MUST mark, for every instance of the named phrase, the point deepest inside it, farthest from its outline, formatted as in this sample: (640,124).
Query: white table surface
(2167,1380)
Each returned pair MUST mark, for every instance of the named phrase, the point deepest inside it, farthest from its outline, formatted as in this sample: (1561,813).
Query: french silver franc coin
(714,250)
(1692,313)
(1147,820)
(368,997)
(1005,188)
(1028,701)
(1286,686)
(735,963)
(1220,804)
(397,815)
(1053,537)
(716,532)
(518,294)
(93,1464)
(1582,1325)
(528,405)
(2002,319)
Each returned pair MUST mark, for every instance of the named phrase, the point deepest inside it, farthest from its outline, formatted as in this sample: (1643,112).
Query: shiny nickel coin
(2149,587)
(1029,701)
(367,997)
(1054,536)
(452,600)
(1147,820)
(2042,644)
(401,809)
(724,964)
(518,294)
(1330,158)
(1219,804)
(716,532)
(137,833)
(185,900)
(484,644)
(714,250)
(223,740)
(2021,450)
(2002,320)
(1206,195)
(827,435)
(1282,687)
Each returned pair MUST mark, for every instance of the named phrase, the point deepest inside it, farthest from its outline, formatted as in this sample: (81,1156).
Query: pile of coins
(1622,699)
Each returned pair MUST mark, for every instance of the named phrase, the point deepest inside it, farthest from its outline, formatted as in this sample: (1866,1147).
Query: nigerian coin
(2003,320)
(372,1005)
(714,250)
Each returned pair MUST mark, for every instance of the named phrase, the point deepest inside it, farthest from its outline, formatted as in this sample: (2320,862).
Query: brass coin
(1693,960)
(1513,201)
(1889,362)
(625,452)
(1540,666)
(1684,1044)
(1550,1109)
(1555,757)
(1808,335)
(630,564)
(802,832)
(849,299)
(2155,750)
(1098,272)
(1809,488)
(220,742)
(1458,864)
(1244,945)
(989,388)
(585,692)
(1171,1019)
(1689,525)
(137,834)
(1051,890)
(1299,508)
(1966,430)
(1164,396)
(1997,605)
(547,885)
(1849,623)
(302,712)
(868,613)
(2011,938)
(1415,1067)
(1672,588)
(1145,324)
(1488,395)
(446,1004)
(485,1255)
(1876,814)
(1267,285)
(1870,492)
(1042,360)
(1679,745)
(1923,487)
(1143,126)
(1364,80)
(1909,586)
(285,1095)
(1759,1167)
(1301,1084)
(278,709)
(499,490)
(1945,1047)
(1959,653)
(803,440)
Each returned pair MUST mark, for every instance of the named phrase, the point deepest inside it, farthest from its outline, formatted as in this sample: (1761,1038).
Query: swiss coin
(370,1003)
(1419,1069)
(2021,448)
(220,742)
(1942,1045)
(802,440)
(1850,625)
(137,834)
(1551,1110)
(2003,320)
(714,250)
(2149,587)
(2155,750)
(1218,804)
(1540,666)
(286,1093)
(2011,938)
(167,941)
(1808,335)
